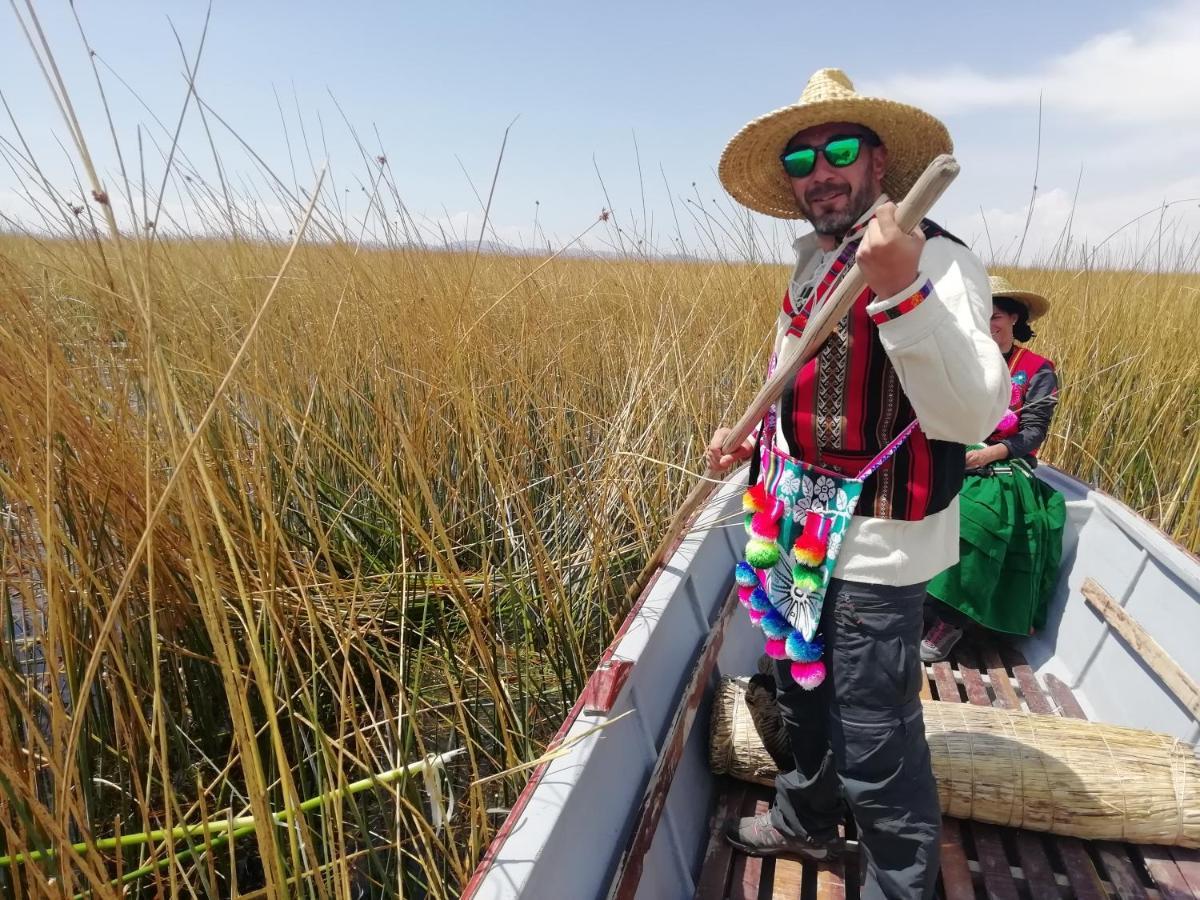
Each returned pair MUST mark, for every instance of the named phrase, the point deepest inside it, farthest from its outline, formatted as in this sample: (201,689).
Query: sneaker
(757,836)
(939,640)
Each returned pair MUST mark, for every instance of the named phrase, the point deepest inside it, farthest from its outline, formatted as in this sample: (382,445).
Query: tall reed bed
(406,527)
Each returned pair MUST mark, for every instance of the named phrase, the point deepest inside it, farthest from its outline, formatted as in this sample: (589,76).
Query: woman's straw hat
(750,167)
(1036,304)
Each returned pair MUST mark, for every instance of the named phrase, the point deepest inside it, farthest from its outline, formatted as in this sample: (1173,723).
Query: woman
(1011,523)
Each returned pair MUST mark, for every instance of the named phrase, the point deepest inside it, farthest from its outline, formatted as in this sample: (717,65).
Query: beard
(837,222)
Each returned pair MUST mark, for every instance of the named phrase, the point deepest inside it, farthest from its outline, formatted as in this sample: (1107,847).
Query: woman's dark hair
(1021,330)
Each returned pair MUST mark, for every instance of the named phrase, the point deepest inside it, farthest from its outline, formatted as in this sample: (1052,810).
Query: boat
(628,808)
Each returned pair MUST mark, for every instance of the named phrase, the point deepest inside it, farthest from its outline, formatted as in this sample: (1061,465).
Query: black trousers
(860,737)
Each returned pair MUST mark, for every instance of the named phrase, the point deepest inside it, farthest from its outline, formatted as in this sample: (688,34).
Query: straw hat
(750,167)
(1037,305)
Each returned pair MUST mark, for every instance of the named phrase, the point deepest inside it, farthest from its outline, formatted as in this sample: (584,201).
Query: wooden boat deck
(978,860)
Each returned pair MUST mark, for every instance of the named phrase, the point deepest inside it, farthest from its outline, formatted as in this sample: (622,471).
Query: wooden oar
(909,213)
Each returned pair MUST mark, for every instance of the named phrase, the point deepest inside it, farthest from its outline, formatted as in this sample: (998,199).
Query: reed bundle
(1006,767)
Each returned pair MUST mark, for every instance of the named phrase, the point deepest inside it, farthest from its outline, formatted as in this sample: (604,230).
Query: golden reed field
(276,525)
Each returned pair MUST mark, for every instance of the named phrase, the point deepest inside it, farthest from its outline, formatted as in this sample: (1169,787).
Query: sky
(620,105)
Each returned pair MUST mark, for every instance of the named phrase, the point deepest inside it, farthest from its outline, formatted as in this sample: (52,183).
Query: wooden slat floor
(978,860)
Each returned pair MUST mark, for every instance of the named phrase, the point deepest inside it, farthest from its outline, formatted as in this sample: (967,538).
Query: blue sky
(439,82)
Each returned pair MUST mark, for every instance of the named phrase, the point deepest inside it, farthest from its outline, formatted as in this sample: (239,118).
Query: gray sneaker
(939,640)
(757,836)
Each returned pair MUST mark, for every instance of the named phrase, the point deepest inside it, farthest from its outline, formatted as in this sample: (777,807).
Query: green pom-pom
(762,554)
(806,579)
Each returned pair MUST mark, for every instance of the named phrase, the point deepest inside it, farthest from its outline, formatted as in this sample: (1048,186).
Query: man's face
(832,198)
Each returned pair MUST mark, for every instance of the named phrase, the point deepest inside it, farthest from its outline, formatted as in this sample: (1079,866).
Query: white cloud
(1118,139)
(1120,228)
(1145,73)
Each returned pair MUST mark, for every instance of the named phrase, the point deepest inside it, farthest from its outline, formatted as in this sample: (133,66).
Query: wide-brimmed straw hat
(1036,304)
(750,168)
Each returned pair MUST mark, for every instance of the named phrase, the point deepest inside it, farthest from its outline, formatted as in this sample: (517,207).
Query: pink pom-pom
(776,648)
(1008,422)
(808,675)
(765,528)
(756,616)
(744,592)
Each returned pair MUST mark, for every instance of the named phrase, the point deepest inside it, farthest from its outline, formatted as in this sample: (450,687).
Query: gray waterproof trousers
(860,737)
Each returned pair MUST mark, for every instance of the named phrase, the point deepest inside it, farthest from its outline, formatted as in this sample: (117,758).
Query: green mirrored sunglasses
(840,151)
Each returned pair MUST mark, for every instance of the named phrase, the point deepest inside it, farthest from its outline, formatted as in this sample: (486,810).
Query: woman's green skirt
(1010,544)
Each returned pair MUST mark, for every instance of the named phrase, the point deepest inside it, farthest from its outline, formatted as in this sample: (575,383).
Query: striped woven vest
(846,404)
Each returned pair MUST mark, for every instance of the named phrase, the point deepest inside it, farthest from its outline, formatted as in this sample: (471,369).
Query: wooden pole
(1181,685)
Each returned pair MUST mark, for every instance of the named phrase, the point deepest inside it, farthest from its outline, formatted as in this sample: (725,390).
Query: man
(916,344)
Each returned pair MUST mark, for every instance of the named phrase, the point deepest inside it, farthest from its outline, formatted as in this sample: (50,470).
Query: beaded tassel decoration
(762,519)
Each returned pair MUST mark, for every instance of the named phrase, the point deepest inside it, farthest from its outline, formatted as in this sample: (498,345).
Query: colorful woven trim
(908,304)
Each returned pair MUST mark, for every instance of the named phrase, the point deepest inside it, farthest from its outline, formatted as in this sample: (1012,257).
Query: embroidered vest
(846,404)
(1023,364)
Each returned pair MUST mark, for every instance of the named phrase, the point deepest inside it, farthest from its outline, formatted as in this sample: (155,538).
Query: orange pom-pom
(810,551)
(755,499)
(810,547)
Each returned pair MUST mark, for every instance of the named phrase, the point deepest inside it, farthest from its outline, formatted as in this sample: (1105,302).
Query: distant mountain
(485,247)
(503,248)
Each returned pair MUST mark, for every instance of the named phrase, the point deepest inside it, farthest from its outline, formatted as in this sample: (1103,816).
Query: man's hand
(720,462)
(977,459)
(888,256)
